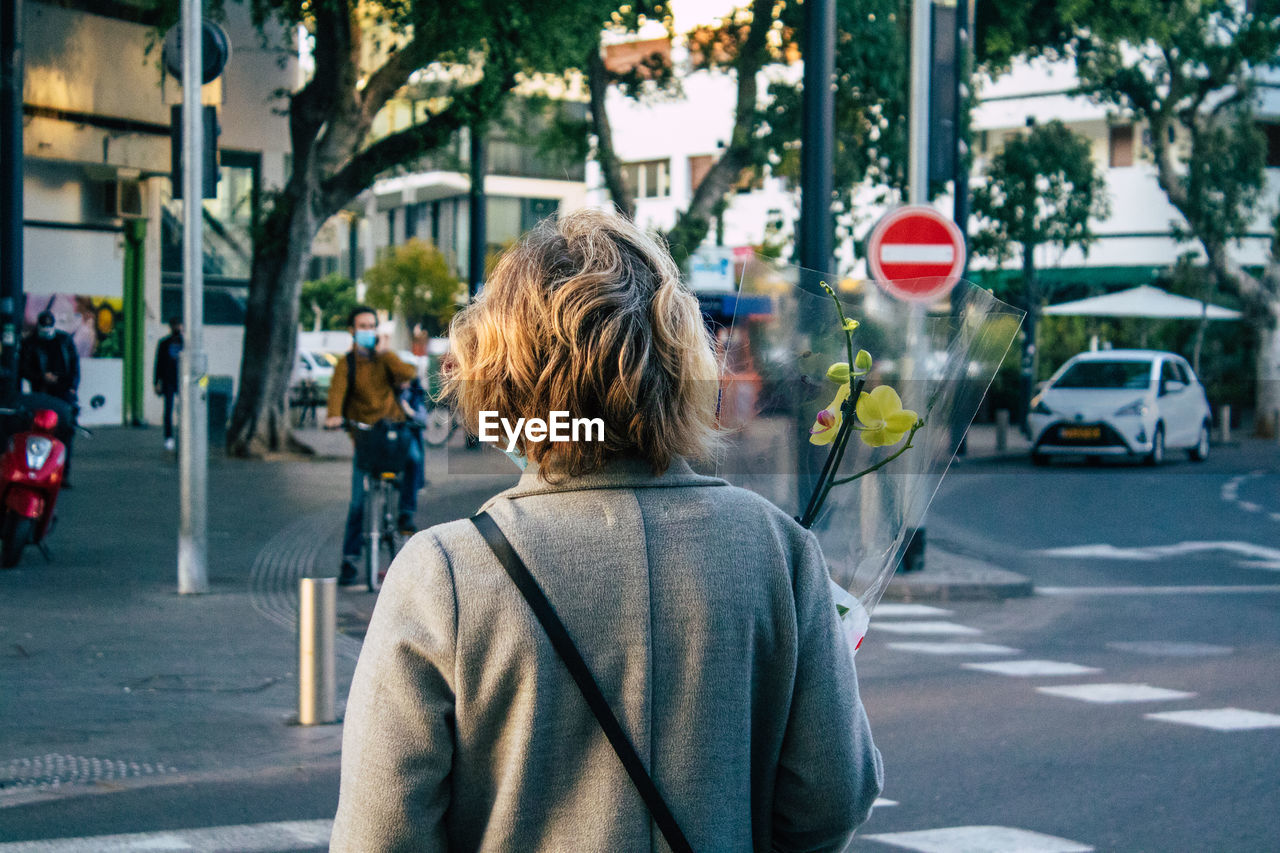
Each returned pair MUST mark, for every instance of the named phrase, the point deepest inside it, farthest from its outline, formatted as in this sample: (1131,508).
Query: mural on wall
(94,322)
(96,327)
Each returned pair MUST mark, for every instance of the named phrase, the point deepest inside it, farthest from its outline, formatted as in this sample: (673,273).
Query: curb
(951,577)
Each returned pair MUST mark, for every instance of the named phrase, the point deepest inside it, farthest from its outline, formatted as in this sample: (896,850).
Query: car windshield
(1106,374)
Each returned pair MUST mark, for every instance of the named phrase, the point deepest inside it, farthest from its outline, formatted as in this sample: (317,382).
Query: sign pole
(193,453)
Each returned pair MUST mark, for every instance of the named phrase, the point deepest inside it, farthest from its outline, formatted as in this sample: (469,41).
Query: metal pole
(818,138)
(1224,421)
(193,457)
(918,142)
(918,193)
(317,626)
(11,203)
(478,230)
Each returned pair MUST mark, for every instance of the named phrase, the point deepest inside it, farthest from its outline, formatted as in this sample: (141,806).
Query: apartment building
(102,232)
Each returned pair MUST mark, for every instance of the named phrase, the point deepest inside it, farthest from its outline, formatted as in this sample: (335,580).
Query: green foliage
(334,296)
(872,90)
(1042,188)
(1189,68)
(413,281)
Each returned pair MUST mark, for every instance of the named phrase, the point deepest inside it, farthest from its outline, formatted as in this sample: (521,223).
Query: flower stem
(883,462)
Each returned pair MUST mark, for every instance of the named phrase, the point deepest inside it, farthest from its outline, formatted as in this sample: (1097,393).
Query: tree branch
(692,225)
(362,169)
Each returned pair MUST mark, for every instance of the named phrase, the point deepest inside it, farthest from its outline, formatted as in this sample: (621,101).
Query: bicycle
(381,453)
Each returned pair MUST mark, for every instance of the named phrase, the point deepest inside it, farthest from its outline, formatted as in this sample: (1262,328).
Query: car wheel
(1039,459)
(1156,456)
(1200,452)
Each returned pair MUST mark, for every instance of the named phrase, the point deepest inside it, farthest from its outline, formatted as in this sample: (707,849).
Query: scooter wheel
(17,535)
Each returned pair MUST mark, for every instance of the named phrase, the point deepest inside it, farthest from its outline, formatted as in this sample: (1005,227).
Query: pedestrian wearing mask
(50,365)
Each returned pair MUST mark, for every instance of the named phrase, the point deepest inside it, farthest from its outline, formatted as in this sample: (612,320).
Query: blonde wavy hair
(587,315)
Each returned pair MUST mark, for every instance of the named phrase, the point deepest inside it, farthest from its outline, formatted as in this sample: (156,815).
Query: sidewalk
(111,678)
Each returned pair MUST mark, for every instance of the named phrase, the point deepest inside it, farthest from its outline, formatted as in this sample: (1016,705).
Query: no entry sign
(916,253)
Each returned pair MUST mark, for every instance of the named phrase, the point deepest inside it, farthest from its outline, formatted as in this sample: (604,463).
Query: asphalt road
(1027,725)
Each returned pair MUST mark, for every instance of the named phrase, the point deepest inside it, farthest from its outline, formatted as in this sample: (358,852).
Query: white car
(313,367)
(1120,403)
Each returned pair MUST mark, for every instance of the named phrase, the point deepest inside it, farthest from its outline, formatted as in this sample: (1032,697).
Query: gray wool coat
(704,614)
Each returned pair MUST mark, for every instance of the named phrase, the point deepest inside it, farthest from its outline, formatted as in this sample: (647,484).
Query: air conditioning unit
(123,199)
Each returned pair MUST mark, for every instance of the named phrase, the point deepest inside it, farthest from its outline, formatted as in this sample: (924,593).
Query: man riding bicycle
(366,388)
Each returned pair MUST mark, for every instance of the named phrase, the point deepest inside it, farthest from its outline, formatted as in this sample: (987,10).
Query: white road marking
(245,838)
(1113,693)
(1174,649)
(1103,551)
(1221,719)
(916,253)
(923,628)
(1159,590)
(978,839)
(1249,506)
(1032,668)
(895,609)
(954,648)
(882,803)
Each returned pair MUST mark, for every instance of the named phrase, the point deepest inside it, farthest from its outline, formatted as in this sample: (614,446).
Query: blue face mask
(367,338)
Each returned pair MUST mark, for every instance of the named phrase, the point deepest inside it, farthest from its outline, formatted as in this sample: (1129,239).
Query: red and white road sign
(915,253)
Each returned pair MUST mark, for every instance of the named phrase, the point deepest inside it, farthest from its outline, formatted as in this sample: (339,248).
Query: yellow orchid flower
(884,420)
(827,424)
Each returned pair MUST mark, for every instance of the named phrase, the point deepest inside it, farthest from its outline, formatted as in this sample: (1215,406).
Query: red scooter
(31,470)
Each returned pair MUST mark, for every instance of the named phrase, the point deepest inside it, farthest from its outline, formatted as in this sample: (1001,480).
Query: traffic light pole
(193,454)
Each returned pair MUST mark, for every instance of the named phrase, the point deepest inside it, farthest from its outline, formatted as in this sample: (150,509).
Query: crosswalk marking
(978,839)
(246,838)
(1260,556)
(1112,693)
(1220,719)
(923,628)
(1229,589)
(882,803)
(1172,648)
(954,648)
(1032,668)
(895,609)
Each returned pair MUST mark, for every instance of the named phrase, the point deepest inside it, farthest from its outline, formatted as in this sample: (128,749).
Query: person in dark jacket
(50,362)
(50,365)
(165,375)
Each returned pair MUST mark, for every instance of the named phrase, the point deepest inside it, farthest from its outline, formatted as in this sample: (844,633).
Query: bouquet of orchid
(791,340)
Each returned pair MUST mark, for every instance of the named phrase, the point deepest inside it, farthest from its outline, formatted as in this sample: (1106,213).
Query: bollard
(1275,423)
(1224,419)
(1002,429)
(317,625)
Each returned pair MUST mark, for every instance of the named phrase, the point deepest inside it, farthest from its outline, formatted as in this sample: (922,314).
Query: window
(1121,146)
(648,179)
(1107,374)
(698,167)
(1271,130)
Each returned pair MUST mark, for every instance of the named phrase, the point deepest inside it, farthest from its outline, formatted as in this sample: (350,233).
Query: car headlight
(38,450)
(1137,408)
(1038,406)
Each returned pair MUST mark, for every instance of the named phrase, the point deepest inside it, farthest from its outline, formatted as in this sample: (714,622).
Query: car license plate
(1082,433)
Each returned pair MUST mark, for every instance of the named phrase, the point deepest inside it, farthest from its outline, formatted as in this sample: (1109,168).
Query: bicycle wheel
(439,426)
(384,539)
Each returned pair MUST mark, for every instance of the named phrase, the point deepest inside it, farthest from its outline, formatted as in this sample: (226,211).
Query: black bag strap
(577,667)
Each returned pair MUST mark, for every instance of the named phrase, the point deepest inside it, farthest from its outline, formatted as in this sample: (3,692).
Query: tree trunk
(1267,395)
(260,420)
(610,165)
